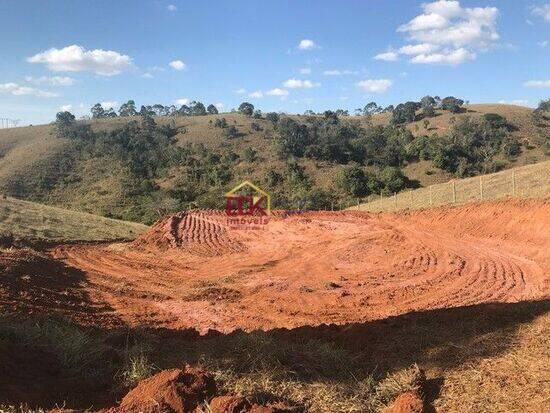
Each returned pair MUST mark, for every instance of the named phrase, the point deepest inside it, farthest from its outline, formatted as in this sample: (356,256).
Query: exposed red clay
(191,271)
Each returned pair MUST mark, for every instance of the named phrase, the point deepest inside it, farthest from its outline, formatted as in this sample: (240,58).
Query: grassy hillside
(529,181)
(25,219)
(38,166)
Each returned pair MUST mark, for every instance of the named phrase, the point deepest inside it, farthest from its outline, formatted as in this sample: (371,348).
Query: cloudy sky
(280,55)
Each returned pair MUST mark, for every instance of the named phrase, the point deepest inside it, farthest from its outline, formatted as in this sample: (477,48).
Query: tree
(272,117)
(220,123)
(64,122)
(212,110)
(97,111)
(371,108)
(231,132)
(110,113)
(64,118)
(495,120)
(128,109)
(246,108)
(293,138)
(392,179)
(452,104)
(197,108)
(405,113)
(427,103)
(184,110)
(353,180)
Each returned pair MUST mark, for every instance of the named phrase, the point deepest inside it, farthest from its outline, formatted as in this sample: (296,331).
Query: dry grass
(25,219)
(531,181)
(487,358)
(99,185)
(515,381)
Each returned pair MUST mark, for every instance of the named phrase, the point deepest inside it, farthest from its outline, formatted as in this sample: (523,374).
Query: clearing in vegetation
(323,311)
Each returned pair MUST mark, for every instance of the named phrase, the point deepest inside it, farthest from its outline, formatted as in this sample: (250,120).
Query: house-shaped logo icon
(247,199)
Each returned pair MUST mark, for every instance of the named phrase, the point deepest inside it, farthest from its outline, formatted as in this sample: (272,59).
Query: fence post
(481,187)
(411,191)
(381,195)
(431,198)
(454,192)
(358,202)
(513,182)
(395,200)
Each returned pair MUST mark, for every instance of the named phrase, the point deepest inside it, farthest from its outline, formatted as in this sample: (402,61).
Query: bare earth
(191,271)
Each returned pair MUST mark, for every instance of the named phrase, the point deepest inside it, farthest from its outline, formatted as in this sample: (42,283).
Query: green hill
(37,165)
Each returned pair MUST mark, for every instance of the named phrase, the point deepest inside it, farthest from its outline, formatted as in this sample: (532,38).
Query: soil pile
(200,232)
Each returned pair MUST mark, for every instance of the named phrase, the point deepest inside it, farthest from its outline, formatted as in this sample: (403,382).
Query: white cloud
(177,65)
(300,84)
(109,104)
(65,108)
(537,83)
(307,44)
(447,33)
(453,57)
(337,72)
(305,71)
(519,102)
(182,101)
(51,81)
(387,56)
(277,92)
(424,22)
(219,105)
(416,49)
(240,91)
(18,90)
(375,85)
(256,94)
(77,59)
(171,8)
(147,75)
(544,44)
(542,11)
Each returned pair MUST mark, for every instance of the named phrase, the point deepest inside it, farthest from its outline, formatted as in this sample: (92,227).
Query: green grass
(24,219)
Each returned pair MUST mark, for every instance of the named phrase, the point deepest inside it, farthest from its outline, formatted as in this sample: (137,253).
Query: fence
(531,181)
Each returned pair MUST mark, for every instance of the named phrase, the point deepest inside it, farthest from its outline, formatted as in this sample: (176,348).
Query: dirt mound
(200,232)
(175,390)
(188,390)
(409,402)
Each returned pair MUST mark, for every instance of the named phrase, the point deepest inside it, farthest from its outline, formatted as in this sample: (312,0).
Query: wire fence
(530,181)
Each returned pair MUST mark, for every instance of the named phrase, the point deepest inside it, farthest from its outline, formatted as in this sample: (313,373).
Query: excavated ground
(191,270)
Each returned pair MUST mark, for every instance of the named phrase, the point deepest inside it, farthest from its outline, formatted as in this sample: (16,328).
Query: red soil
(192,271)
(175,390)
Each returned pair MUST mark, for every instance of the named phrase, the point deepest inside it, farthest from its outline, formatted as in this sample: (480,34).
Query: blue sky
(284,55)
